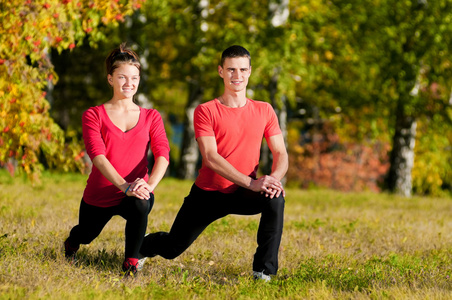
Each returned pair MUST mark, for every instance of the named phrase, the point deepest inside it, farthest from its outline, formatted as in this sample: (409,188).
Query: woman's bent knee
(144,206)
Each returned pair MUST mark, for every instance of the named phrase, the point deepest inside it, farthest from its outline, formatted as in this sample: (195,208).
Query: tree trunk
(282,118)
(279,14)
(189,151)
(402,155)
(266,155)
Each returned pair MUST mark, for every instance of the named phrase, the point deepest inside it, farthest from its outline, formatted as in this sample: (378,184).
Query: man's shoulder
(208,106)
(258,104)
(210,103)
(261,102)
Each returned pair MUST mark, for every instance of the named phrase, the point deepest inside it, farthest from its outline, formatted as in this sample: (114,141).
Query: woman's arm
(157,173)
(160,149)
(107,169)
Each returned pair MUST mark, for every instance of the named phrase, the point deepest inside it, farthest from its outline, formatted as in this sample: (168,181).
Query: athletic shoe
(261,276)
(129,269)
(69,251)
(141,261)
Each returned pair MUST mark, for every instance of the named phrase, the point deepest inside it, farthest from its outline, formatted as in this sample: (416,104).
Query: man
(229,131)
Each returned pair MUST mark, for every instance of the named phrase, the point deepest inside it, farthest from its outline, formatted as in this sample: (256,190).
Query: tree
(376,62)
(187,45)
(172,53)
(409,42)
(181,54)
(29,30)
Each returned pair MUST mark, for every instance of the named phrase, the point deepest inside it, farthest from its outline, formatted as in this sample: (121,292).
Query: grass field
(335,246)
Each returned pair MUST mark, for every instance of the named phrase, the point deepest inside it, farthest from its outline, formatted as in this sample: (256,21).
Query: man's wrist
(250,183)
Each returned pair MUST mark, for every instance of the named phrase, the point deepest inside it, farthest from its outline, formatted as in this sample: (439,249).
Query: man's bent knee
(277,202)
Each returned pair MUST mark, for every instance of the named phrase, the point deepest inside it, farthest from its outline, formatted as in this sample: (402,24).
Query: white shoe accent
(141,261)
(261,276)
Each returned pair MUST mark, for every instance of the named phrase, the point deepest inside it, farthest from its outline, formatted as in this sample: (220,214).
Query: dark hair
(121,55)
(235,51)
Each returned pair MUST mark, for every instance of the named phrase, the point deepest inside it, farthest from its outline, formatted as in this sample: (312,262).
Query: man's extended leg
(201,208)
(196,213)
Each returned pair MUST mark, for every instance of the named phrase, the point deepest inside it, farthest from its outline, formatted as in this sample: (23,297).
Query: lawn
(335,246)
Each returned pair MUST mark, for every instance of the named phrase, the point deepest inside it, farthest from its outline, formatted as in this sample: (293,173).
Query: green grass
(335,245)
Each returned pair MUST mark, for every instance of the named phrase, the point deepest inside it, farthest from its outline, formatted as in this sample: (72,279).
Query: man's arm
(280,158)
(215,162)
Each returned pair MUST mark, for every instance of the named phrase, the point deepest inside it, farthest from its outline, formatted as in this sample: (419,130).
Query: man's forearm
(280,165)
(223,168)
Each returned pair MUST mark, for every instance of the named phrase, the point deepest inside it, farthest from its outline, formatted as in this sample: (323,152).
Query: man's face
(235,73)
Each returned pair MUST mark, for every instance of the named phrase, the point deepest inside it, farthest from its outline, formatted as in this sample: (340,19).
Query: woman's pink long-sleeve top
(126,151)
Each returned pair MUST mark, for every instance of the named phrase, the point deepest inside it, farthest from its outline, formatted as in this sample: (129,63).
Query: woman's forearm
(158,171)
(107,169)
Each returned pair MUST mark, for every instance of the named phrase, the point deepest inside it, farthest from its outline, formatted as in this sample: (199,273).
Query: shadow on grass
(101,260)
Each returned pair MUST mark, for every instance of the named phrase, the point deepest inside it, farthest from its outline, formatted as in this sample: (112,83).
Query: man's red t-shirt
(239,133)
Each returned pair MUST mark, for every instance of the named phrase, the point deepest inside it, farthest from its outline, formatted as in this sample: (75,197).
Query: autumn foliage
(28,31)
(319,158)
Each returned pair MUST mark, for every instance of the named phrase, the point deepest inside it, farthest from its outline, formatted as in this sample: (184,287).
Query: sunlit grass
(334,245)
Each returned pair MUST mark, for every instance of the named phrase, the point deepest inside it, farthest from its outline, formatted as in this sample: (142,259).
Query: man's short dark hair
(235,51)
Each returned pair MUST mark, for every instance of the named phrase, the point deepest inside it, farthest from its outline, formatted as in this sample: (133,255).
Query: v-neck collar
(124,134)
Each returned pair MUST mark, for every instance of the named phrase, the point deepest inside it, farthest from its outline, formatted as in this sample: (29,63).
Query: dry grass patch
(335,245)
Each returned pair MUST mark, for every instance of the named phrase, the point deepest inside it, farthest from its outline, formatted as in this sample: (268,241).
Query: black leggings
(92,219)
(202,207)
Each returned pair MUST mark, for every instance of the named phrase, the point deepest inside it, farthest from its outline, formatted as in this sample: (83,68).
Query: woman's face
(124,80)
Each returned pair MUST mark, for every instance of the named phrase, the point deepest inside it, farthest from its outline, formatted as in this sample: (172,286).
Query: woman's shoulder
(95,109)
(150,113)
(94,113)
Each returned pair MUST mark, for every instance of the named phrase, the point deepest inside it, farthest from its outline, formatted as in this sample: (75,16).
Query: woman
(118,135)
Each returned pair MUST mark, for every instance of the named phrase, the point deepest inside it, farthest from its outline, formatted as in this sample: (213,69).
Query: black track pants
(92,220)
(201,208)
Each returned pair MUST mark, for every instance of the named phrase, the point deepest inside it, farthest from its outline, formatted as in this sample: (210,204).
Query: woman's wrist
(125,187)
(152,185)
